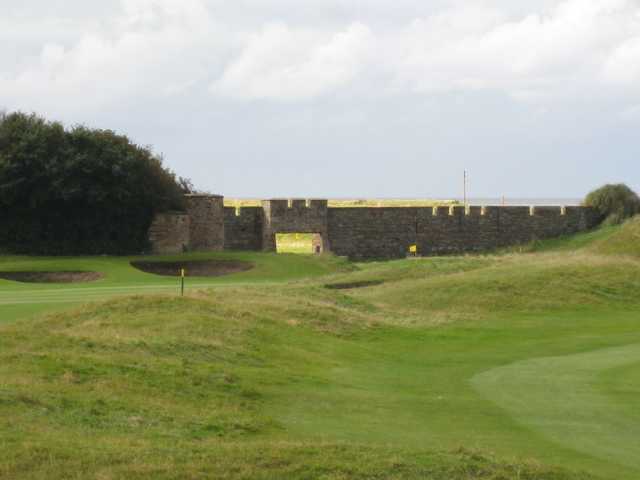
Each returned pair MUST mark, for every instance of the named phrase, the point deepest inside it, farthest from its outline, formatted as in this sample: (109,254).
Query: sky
(344,98)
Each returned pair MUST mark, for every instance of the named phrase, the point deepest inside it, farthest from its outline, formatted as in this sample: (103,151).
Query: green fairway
(22,299)
(568,400)
(507,366)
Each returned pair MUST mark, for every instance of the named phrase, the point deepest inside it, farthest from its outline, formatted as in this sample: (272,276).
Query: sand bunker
(204,268)
(349,285)
(51,277)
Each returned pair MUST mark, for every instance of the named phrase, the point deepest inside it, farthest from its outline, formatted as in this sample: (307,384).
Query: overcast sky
(344,98)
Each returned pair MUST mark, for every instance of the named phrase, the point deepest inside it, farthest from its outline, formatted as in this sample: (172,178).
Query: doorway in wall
(302,243)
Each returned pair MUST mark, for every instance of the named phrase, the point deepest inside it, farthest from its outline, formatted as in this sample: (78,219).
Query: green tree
(614,202)
(78,191)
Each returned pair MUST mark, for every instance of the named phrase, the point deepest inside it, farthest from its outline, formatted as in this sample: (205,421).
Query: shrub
(78,191)
(615,203)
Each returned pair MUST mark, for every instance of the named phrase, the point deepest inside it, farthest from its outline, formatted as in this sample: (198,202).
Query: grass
(621,241)
(611,240)
(573,391)
(509,366)
(22,299)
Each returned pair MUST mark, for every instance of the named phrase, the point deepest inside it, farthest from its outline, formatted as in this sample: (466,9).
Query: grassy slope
(621,241)
(563,402)
(611,240)
(157,385)
(291,380)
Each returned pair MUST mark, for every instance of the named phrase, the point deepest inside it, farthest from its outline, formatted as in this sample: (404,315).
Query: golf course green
(522,364)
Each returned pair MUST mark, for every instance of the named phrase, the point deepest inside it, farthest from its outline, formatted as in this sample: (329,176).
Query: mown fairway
(511,366)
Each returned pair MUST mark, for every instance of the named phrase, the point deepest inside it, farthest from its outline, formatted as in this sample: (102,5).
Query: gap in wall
(301,243)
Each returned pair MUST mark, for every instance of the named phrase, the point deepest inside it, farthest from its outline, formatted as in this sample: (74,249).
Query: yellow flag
(413,249)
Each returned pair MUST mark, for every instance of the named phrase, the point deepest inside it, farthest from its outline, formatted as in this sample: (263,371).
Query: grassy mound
(180,388)
(624,240)
(621,239)
(438,291)
(267,374)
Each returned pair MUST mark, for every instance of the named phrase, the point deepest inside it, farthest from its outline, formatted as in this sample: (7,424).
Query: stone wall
(388,232)
(207,222)
(169,233)
(371,232)
(361,233)
(243,228)
(293,216)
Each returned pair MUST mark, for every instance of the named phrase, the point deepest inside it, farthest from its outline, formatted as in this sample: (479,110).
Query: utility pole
(465,189)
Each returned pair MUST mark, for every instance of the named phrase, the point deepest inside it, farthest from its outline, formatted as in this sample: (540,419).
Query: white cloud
(285,63)
(543,53)
(623,65)
(572,49)
(149,48)
(559,49)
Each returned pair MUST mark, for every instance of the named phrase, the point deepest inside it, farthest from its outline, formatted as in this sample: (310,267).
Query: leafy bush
(614,202)
(78,191)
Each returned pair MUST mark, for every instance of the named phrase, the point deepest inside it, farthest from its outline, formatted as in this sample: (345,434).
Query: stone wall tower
(206,226)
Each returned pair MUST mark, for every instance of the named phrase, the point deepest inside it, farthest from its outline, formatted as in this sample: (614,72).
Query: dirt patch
(349,285)
(51,277)
(204,268)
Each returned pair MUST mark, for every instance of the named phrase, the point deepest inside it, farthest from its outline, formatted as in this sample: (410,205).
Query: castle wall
(371,232)
(206,230)
(243,228)
(293,216)
(361,233)
(388,232)
(169,233)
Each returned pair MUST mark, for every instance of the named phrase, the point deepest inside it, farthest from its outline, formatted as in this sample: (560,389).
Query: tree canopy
(614,202)
(79,190)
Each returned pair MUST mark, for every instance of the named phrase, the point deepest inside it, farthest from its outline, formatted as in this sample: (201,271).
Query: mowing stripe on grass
(565,399)
(88,294)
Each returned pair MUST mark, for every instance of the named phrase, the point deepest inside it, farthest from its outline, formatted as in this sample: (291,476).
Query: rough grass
(610,240)
(275,376)
(271,461)
(179,388)
(512,284)
(624,240)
